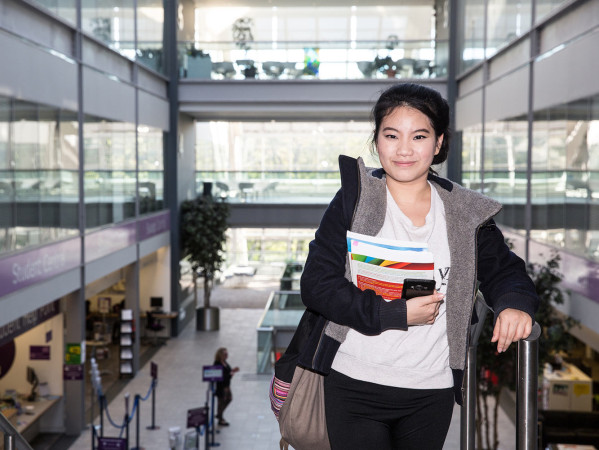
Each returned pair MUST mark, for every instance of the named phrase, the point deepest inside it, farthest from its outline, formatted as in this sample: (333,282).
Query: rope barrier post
(102,407)
(92,426)
(137,409)
(206,427)
(127,419)
(213,426)
(527,408)
(154,373)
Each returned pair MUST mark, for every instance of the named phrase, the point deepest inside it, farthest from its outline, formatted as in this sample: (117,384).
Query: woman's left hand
(511,326)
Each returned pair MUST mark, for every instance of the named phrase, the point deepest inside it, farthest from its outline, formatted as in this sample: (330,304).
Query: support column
(74,390)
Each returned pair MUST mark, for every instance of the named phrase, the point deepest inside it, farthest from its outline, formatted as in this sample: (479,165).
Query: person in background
(223,388)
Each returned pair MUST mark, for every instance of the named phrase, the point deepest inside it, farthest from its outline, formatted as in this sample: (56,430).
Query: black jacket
(334,304)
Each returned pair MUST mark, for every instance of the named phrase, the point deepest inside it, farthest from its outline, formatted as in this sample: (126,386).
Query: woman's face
(406,144)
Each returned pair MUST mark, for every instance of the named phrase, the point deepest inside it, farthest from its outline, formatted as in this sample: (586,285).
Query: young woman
(223,388)
(394,368)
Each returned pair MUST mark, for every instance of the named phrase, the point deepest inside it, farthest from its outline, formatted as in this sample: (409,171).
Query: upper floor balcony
(324,60)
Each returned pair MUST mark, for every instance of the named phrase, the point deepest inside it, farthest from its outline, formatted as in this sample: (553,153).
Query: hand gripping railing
(526,392)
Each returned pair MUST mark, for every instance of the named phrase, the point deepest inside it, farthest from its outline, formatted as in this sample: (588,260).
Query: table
(29,424)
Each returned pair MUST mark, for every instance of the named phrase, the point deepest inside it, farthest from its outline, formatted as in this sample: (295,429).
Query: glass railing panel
(275,329)
(334,60)
(271,187)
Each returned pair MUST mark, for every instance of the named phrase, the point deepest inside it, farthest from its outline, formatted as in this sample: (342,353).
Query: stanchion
(206,427)
(212,389)
(154,373)
(102,407)
(137,409)
(127,419)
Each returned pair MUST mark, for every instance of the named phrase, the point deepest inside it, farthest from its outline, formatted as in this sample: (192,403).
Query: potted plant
(498,371)
(199,64)
(203,236)
(385,65)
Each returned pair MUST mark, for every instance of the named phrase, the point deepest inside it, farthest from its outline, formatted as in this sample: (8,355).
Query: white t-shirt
(419,357)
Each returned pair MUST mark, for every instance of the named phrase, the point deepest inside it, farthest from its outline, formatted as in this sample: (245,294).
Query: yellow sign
(72,354)
(581,389)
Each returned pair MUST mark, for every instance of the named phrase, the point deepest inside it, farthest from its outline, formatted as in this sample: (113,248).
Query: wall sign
(25,323)
(28,268)
(71,372)
(73,354)
(39,352)
(212,373)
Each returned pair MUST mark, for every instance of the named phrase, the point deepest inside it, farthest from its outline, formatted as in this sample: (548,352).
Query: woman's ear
(439,143)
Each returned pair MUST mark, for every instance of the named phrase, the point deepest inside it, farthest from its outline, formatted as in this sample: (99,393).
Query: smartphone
(416,287)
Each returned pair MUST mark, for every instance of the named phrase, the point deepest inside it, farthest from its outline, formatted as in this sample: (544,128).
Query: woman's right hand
(424,310)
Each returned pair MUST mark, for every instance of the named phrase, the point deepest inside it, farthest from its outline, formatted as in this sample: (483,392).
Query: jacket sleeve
(502,274)
(325,289)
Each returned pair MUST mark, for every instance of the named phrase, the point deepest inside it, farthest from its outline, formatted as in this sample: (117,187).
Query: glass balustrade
(276,327)
(270,187)
(333,60)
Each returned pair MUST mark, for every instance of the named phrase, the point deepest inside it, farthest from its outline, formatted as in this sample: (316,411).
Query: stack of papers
(382,264)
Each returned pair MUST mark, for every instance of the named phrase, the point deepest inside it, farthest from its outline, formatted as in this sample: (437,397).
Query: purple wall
(38,265)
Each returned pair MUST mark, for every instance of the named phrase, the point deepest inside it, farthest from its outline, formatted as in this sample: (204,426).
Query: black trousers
(364,416)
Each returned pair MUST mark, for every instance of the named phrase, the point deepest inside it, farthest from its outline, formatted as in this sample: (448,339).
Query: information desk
(30,422)
(165,318)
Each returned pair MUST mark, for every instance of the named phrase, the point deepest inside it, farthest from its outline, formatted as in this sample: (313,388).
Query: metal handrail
(527,408)
(12,438)
(526,394)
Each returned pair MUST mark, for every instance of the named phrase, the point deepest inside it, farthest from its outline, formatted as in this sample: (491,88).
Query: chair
(153,324)
(225,68)
(273,69)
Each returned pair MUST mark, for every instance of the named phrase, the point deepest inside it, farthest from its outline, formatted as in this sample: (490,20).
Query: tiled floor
(180,388)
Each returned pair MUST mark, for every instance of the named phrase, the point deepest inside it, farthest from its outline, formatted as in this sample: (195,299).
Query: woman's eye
(390,136)
(419,136)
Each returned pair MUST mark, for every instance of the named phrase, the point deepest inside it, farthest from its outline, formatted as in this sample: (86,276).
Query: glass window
(150,25)
(66,9)
(6,178)
(472,157)
(109,178)
(277,161)
(372,41)
(506,20)
(111,22)
(68,165)
(592,241)
(545,7)
(25,151)
(151,169)
(505,163)
(472,26)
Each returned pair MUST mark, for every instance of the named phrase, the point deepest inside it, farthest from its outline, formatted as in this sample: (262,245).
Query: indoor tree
(203,236)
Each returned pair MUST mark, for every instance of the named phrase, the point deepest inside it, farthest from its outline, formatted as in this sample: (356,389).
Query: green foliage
(555,337)
(203,236)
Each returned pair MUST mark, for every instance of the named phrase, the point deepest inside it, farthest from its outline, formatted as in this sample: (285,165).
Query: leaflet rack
(126,344)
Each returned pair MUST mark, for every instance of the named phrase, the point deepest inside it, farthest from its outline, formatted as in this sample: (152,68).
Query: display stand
(126,344)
